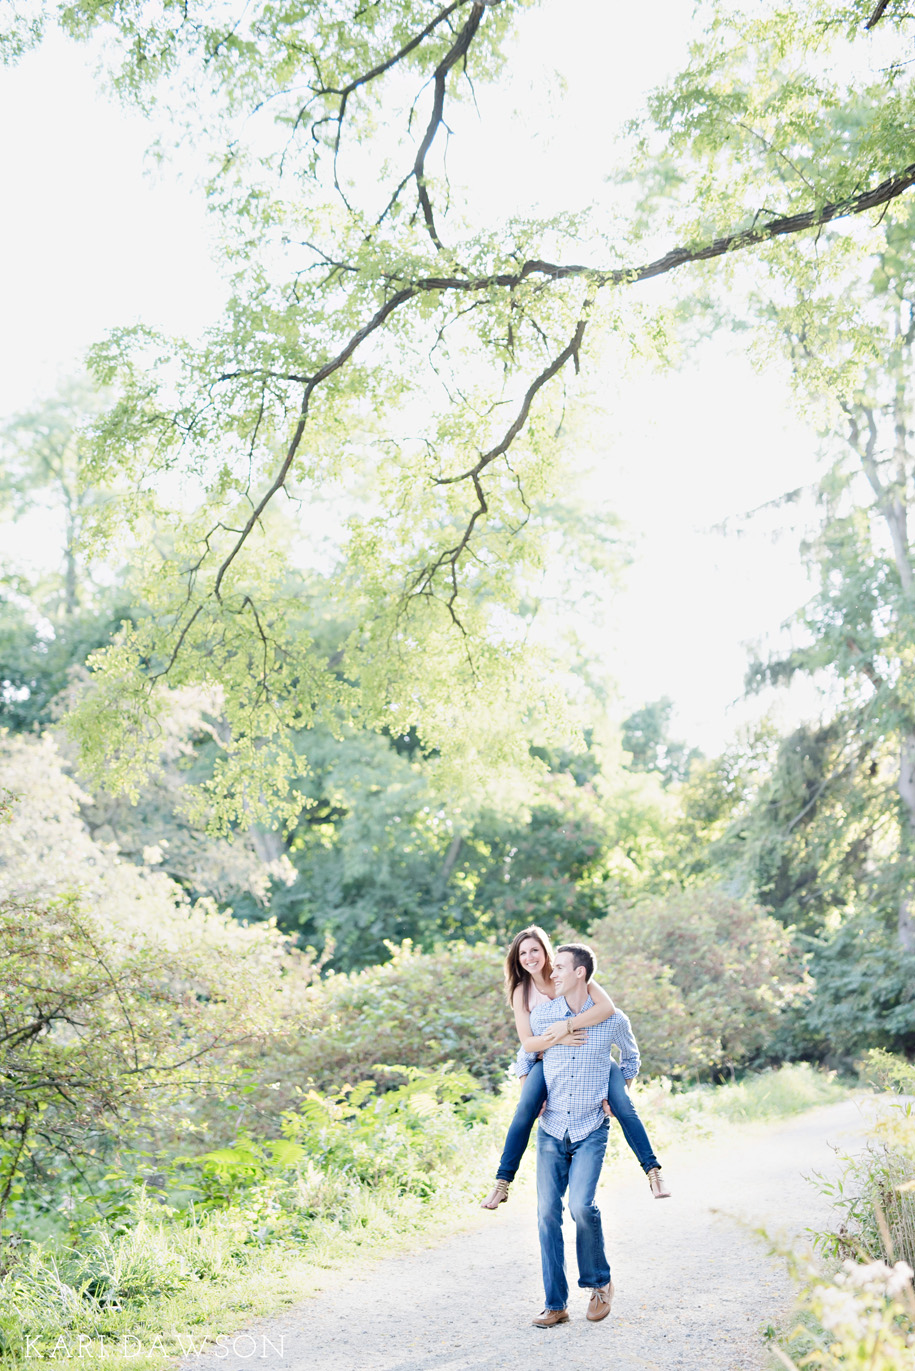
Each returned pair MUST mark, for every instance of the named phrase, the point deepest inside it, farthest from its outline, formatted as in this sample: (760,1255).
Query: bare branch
(344,92)
(321,375)
(598,278)
(571,351)
(424,580)
(452,57)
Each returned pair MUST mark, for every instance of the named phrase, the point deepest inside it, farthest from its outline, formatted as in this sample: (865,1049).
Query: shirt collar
(570,1012)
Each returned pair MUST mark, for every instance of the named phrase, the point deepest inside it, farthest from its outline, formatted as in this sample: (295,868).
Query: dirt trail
(694,1284)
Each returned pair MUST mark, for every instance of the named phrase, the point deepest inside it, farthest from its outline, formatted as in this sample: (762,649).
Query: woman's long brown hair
(515,974)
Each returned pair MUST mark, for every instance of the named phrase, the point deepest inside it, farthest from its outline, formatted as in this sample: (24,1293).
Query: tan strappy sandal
(658,1188)
(499,1195)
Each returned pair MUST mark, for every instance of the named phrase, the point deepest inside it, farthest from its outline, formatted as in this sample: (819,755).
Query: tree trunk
(907,795)
(451,856)
(71,593)
(267,843)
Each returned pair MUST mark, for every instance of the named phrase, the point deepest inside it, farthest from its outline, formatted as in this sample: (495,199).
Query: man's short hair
(581,956)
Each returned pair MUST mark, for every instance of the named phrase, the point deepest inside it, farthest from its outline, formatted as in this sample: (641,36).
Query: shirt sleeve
(630,1060)
(523,1062)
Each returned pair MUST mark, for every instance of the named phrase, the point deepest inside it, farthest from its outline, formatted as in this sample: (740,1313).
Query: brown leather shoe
(600,1302)
(550,1317)
(658,1188)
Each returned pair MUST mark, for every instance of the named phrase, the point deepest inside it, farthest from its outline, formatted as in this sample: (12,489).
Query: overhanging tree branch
(599,278)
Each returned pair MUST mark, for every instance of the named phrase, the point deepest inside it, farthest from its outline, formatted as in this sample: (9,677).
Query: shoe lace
(600,1295)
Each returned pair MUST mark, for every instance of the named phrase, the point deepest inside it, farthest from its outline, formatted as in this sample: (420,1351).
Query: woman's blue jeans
(533,1094)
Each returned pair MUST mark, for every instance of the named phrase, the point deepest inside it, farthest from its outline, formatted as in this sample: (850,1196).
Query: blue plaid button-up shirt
(576,1077)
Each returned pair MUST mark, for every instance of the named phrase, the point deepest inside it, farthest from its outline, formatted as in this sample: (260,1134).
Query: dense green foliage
(707,974)
(165,1250)
(645,737)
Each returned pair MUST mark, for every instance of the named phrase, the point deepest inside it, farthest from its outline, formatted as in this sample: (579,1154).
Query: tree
(646,738)
(852,349)
(46,455)
(382,853)
(374,327)
(39,656)
(51,620)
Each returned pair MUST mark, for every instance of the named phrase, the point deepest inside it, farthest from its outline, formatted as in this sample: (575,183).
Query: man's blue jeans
(533,1094)
(575,1165)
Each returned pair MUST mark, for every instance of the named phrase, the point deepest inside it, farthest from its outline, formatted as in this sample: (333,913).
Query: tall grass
(674,1117)
(264,1221)
(864,1315)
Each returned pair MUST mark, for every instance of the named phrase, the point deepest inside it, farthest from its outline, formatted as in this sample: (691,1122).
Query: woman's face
(531,956)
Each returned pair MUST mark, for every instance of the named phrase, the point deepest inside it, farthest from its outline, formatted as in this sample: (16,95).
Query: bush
(399,1137)
(888,1071)
(864,1317)
(349,1169)
(417,1010)
(704,977)
(99,1034)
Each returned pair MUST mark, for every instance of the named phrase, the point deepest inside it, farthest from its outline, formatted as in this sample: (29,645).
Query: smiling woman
(534,976)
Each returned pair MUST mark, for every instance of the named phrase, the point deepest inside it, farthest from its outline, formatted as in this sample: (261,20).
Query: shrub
(417,1010)
(703,975)
(400,1137)
(98,1033)
(888,1071)
(864,1317)
(354,1168)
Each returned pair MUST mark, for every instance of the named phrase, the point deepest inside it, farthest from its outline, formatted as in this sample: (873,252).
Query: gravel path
(694,1284)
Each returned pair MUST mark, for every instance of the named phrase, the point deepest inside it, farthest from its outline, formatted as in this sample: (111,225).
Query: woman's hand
(560,1035)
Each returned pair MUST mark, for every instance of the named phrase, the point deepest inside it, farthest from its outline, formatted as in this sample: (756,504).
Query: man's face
(564,977)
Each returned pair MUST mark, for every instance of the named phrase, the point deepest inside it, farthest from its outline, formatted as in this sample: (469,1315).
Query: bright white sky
(91,239)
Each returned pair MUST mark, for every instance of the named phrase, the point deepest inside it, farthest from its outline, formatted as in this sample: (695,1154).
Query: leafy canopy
(386,343)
